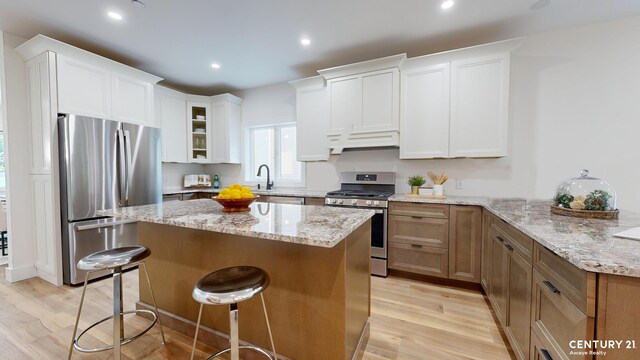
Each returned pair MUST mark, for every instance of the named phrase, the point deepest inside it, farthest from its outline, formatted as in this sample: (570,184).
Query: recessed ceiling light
(305,41)
(540,4)
(215,66)
(114,15)
(447,4)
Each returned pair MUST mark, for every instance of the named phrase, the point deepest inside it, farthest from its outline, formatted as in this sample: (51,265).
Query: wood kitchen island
(317,258)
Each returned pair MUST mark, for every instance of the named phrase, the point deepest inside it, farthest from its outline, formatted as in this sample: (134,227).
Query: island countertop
(588,244)
(320,226)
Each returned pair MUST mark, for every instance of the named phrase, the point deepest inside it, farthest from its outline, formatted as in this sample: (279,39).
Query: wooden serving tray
(432,197)
(586,214)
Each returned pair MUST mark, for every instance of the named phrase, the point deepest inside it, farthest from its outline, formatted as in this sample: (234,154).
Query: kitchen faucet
(269,182)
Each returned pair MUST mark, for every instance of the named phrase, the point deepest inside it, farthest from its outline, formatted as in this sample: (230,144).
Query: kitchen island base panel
(318,299)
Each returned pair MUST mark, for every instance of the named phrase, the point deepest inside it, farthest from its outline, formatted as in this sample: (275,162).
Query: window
(274,146)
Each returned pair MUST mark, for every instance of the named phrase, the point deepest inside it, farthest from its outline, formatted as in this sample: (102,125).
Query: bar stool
(230,286)
(114,260)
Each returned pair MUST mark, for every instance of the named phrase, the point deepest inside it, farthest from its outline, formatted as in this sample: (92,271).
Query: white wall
(173,174)
(574,104)
(21,237)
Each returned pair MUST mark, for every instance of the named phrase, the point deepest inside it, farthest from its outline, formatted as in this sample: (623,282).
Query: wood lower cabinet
(498,277)
(314,201)
(415,230)
(419,259)
(465,242)
(485,265)
(518,327)
(541,350)
(557,319)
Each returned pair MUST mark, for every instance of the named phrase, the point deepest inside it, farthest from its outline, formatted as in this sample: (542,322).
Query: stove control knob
(354,201)
(369,202)
(333,201)
(340,201)
(376,203)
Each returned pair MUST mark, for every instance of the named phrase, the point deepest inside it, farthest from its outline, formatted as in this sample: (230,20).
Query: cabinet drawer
(204,195)
(419,231)
(521,243)
(542,350)
(171,197)
(557,319)
(424,260)
(420,210)
(577,285)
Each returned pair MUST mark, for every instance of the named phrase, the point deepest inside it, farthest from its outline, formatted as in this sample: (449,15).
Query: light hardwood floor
(410,320)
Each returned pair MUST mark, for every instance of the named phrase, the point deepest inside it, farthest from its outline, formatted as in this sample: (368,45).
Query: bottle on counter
(216,182)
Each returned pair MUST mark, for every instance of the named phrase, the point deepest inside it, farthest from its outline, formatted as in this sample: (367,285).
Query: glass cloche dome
(586,193)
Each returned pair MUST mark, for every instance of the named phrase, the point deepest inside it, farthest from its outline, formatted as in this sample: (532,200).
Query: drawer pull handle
(416,217)
(509,247)
(551,286)
(418,246)
(500,238)
(546,354)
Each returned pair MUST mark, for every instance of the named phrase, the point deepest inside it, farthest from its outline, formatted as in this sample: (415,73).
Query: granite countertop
(274,192)
(308,225)
(588,244)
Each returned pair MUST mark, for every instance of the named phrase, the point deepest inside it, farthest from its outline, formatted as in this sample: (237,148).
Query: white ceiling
(257,42)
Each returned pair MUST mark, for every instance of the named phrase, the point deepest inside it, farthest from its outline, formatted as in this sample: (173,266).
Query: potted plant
(438,182)
(415,182)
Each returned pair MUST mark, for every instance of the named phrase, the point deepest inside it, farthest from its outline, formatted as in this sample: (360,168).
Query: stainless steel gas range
(368,190)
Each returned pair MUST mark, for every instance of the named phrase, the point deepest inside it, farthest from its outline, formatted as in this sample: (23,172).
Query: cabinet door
(220,133)
(43,223)
(83,89)
(424,115)
(518,329)
(172,113)
(479,107)
(345,99)
(311,124)
(132,100)
(42,110)
(498,278)
(380,101)
(465,242)
(199,132)
(485,269)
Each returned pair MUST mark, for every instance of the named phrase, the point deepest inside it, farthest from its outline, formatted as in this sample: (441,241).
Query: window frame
(252,168)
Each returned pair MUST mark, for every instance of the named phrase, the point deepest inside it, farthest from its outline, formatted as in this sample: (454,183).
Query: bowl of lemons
(235,198)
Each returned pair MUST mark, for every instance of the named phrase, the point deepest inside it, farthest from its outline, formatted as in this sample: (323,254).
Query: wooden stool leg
(195,338)
(75,328)
(266,317)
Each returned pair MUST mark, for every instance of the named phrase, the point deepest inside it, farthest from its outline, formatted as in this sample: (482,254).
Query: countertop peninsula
(588,244)
(320,226)
(291,192)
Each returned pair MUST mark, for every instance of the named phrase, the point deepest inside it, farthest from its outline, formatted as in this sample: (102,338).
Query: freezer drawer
(87,237)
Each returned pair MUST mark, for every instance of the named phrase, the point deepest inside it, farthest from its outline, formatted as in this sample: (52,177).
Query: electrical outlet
(459,184)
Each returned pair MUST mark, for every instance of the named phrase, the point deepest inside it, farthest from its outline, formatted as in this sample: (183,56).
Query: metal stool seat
(115,259)
(230,286)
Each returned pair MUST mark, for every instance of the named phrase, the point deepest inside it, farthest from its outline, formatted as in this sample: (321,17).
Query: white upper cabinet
(312,120)
(83,89)
(456,103)
(199,130)
(226,113)
(364,103)
(171,113)
(41,112)
(424,121)
(132,100)
(479,107)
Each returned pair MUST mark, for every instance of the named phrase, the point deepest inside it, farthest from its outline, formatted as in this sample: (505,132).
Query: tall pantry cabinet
(65,79)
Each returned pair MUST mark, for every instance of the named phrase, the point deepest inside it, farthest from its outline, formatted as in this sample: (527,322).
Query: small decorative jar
(586,196)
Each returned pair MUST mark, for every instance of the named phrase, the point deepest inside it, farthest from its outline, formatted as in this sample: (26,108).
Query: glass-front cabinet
(199,120)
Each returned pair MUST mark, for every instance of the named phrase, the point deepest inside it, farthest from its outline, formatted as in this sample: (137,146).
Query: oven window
(377,231)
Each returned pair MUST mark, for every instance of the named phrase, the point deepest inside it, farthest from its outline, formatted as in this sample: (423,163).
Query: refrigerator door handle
(122,180)
(127,142)
(103,225)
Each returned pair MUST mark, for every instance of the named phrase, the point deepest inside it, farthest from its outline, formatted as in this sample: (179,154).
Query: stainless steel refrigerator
(104,164)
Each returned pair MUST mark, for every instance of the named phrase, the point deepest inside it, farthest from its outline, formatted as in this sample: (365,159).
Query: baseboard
(206,335)
(362,342)
(51,278)
(19,274)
